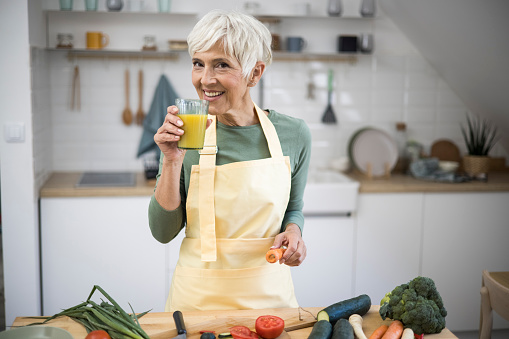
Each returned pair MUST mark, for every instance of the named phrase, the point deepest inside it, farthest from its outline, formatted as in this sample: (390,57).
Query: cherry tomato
(269,326)
(243,332)
(99,334)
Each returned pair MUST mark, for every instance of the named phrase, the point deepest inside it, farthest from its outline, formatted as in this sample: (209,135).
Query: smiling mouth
(212,94)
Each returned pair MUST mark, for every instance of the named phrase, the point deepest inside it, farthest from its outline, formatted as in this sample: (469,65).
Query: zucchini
(322,315)
(342,330)
(224,335)
(321,330)
(344,309)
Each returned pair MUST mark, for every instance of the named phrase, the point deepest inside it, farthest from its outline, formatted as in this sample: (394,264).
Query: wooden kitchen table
(160,325)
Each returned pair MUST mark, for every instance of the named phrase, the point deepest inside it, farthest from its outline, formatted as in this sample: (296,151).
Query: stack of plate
(375,147)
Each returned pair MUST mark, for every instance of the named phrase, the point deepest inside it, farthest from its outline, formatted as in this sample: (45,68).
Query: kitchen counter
(62,184)
(399,183)
(161,326)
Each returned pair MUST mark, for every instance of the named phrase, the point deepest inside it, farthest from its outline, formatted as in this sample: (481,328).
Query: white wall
(20,234)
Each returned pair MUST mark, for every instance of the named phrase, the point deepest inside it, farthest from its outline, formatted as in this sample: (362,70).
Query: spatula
(329,117)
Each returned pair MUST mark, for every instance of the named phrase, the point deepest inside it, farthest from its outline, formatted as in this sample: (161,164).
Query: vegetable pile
(104,316)
(417,304)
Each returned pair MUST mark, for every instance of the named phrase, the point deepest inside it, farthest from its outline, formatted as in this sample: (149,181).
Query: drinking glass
(193,112)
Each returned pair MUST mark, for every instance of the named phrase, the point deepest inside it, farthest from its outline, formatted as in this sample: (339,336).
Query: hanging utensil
(127,114)
(76,89)
(329,117)
(140,115)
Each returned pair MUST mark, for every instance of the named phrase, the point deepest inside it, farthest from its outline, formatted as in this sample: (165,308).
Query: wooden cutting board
(160,325)
(445,150)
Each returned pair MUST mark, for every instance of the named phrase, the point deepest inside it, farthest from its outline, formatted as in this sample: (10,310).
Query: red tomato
(243,332)
(269,326)
(99,334)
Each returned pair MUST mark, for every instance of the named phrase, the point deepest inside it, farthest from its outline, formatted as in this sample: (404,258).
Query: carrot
(274,254)
(356,322)
(379,332)
(394,331)
(408,333)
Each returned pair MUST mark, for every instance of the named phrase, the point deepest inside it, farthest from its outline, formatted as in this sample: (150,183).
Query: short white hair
(242,36)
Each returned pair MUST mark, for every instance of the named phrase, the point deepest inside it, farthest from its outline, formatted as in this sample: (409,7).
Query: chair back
(499,294)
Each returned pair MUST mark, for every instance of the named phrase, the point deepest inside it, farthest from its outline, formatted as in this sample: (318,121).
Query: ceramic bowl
(448,166)
(36,332)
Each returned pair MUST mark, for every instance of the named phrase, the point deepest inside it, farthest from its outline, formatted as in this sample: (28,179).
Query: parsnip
(356,322)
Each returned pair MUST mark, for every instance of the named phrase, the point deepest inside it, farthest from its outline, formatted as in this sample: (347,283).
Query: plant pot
(476,165)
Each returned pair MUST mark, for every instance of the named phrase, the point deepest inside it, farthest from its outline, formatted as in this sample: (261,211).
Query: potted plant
(480,137)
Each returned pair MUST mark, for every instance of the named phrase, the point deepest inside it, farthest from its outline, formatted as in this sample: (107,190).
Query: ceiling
(467,42)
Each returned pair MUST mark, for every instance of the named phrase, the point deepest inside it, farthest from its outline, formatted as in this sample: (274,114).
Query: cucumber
(224,335)
(321,330)
(344,309)
(342,330)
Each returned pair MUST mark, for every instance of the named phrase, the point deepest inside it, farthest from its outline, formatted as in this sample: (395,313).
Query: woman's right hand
(169,134)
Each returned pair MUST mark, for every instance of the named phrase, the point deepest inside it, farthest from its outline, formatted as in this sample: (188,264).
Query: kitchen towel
(164,96)
(427,169)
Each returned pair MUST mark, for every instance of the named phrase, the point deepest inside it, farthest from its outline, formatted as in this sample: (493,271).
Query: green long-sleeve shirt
(242,143)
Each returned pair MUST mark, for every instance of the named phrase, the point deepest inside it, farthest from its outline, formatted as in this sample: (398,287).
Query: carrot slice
(274,254)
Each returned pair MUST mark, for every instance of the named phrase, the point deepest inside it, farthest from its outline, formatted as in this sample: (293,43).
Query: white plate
(36,332)
(376,147)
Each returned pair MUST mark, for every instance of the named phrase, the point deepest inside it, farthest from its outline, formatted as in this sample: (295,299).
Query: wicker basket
(476,164)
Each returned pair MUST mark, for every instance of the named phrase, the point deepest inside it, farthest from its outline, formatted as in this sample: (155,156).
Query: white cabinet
(464,234)
(325,276)
(388,242)
(101,241)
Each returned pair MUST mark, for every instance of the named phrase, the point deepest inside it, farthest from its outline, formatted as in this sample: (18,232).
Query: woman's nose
(208,76)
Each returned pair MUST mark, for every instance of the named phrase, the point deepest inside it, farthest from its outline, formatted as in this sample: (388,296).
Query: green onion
(108,316)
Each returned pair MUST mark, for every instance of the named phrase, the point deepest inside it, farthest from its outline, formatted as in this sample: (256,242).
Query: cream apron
(234,211)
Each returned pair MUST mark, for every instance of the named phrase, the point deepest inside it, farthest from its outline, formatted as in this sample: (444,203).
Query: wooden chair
(494,296)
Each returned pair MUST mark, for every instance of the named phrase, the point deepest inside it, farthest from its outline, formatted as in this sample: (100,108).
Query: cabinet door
(388,242)
(465,234)
(325,276)
(103,241)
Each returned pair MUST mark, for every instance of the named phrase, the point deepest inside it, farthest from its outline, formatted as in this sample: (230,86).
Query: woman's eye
(196,64)
(222,65)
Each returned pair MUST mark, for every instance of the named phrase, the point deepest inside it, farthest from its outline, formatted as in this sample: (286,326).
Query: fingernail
(180,131)
(180,122)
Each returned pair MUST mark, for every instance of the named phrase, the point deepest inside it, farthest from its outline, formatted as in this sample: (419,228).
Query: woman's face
(218,78)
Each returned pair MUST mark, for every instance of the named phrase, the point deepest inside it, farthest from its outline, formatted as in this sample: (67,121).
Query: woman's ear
(256,73)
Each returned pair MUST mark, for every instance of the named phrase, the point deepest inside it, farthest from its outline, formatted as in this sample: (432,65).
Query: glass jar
(149,43)
(64,40)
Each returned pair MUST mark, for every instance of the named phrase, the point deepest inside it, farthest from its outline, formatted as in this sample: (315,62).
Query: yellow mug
(97,40)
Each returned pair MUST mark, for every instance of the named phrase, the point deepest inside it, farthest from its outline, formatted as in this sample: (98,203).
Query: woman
(245,196)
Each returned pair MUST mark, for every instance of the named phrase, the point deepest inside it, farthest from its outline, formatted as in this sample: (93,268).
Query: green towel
(164,96)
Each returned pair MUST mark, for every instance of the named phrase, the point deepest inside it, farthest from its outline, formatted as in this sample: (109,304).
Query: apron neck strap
(270,133)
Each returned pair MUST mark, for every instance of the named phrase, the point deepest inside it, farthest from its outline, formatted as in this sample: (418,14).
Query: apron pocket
(267,286)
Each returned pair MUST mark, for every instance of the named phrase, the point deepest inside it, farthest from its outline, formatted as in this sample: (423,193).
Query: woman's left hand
(295,248)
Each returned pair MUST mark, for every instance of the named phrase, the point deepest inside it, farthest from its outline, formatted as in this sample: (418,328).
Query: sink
(107,179)
(330,192)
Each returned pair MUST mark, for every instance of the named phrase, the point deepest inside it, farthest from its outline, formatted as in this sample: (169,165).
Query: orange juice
(194,131)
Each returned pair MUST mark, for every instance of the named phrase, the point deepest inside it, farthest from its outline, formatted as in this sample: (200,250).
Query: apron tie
(206,212)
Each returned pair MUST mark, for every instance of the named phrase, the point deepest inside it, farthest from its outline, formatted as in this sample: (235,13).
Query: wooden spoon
(127,115)
(140,115)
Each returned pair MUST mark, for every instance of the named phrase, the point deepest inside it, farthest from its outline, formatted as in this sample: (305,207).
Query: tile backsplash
(394,84)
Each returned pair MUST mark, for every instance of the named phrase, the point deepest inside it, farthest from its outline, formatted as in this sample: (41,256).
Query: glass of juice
(193,112)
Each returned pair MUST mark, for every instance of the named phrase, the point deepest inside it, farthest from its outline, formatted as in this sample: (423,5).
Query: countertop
(62,184)
(160,325)
(399,183)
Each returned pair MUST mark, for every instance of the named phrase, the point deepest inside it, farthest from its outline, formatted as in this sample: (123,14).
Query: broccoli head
(417,305)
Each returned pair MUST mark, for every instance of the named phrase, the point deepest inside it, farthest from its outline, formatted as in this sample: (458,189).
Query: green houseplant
(480,136)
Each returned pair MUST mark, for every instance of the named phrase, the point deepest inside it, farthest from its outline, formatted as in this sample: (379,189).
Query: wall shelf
(75,53)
